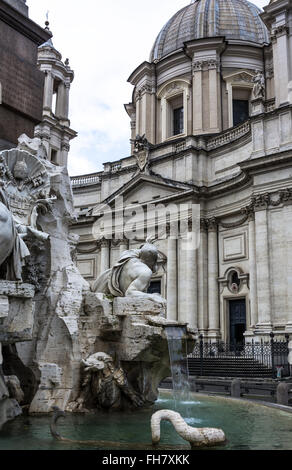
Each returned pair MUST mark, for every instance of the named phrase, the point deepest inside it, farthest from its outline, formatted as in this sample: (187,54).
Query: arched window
(174,99)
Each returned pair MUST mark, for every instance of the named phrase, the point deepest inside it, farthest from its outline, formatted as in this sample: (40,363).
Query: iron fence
(250,359)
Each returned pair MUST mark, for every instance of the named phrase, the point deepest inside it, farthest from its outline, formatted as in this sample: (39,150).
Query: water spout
(179,365)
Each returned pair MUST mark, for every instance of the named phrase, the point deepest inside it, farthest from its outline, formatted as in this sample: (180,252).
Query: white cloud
(105,41)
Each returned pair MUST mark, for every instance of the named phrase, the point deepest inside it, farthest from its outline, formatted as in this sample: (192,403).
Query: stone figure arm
(132,395)
(141,282)
(122,382)
(139,286)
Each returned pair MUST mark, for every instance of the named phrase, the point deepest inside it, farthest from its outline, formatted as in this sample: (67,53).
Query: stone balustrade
(229,136)
(87,180)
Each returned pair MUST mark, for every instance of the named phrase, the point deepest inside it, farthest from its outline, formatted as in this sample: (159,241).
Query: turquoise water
(246,425)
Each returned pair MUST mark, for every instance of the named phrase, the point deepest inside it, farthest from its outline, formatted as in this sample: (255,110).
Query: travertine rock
(123,331)
(45,314)
(9,409)
(14,388)
(16,312)
(57,321)
(138,306)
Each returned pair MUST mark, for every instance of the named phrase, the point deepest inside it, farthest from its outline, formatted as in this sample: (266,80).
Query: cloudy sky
(105,41)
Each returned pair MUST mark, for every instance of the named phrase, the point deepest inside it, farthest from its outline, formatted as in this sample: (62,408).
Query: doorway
(237,319)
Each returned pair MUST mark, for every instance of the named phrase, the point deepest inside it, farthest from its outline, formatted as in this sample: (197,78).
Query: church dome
(233,19)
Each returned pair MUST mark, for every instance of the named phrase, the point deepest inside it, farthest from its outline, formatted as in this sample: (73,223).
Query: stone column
(133,133)
(114,253)
(214,97)
(192,283)
(263,265)
(138,114)
(281,55)
(252,270)
(172,313)
(48,92)
(213,274)
(197,97)
(124,246)
(181,281)
(203,279)
(104,256)
(164,119)
(66,101)
(59,100)
(147,126)
(288,236)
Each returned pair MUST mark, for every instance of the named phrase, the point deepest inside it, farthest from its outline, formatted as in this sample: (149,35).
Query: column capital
(204,225)
(104,243)
(282,30)
(260,202)
(249,212)
(210,64)
(198,66)
(212,224)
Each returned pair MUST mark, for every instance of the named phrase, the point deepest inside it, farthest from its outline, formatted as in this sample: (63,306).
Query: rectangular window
(240,111)
(155,287)
(178,121)
(54,156)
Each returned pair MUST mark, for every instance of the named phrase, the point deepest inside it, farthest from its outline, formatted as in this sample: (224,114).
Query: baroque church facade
(214,108)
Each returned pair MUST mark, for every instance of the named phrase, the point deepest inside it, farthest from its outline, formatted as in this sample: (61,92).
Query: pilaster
(104,255)
(213,275)
(172,313)
(262,261)
(203,279)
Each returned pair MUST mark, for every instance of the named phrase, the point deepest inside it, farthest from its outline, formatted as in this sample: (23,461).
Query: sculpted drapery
(13,250)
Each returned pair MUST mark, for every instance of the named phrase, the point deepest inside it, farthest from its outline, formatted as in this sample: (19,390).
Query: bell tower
(54,130)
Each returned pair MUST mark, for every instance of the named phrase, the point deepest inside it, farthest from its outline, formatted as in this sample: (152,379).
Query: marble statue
(259,86)
(105,384)
(131,275)
(33,146)
(13,250)
(197,437)
(13,231)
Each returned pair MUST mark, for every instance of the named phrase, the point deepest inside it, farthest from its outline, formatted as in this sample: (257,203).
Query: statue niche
(24,192)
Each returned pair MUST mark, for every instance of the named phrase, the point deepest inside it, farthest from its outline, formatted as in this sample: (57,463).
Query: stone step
(232,367)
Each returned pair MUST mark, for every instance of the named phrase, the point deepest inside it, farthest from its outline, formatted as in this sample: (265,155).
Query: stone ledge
(17,289)
(123,306)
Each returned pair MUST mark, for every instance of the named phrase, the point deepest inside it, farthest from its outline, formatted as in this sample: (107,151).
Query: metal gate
(253,359)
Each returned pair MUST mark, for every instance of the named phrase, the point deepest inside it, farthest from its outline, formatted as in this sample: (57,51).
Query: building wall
(240,176)
(21,81)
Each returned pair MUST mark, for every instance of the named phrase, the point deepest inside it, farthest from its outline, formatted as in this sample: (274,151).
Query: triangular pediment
(240,76)
(146,189)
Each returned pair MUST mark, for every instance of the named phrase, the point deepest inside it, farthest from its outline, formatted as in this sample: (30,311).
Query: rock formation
(69,346)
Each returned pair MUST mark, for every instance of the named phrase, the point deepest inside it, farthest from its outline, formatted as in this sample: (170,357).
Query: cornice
(276,160)
(54,122)
(23,24)
(146,68)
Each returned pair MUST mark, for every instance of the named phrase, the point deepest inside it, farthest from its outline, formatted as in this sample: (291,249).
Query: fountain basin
(247,425)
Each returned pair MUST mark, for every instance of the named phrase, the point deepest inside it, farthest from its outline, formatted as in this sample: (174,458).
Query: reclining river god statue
(131,275)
